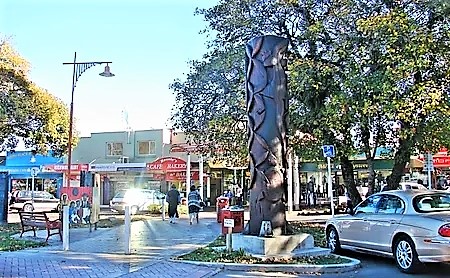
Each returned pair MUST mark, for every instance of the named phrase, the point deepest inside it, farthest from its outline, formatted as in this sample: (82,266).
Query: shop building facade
(19,165)
(123,160)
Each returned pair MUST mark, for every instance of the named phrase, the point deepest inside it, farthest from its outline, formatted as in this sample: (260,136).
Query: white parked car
(27,200)
(412,226)
(138,199)
(408,186)
(411,186)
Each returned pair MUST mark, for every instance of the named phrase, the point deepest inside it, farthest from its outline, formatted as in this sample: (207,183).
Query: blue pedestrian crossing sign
(328,151)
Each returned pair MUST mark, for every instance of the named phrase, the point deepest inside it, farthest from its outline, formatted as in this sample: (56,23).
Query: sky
(149,43)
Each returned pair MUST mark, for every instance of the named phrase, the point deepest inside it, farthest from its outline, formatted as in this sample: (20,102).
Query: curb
(297,268)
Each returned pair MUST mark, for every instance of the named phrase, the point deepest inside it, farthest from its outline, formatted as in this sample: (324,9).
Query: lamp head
(106,73)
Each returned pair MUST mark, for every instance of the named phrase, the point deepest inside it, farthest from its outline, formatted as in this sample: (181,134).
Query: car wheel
(28,208)
(134,210)
(406,256)
(333,240)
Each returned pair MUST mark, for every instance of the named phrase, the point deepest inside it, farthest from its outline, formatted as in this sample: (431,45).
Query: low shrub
(240,256)
(157,209)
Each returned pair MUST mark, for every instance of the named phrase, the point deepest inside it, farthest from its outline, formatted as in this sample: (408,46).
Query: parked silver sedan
(411,226)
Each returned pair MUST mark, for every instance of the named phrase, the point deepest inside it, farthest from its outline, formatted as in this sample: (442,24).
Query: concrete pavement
(101,253)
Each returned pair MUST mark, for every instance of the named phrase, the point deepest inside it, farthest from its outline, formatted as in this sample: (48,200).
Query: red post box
(221,203)
(238,215)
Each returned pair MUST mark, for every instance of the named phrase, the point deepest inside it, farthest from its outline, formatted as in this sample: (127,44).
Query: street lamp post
(33,174)
(78,69)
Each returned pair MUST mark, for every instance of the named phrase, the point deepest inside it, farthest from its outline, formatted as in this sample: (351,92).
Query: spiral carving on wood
(267,110)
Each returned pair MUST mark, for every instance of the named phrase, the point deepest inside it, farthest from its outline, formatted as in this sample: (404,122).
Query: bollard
(65,222)
(164,210)
(127,231)
(229,240)
(229,223)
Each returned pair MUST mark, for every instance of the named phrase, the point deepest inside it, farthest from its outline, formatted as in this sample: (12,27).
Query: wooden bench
(32,220)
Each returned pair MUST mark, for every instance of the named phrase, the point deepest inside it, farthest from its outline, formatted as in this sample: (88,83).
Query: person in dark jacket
(173,198)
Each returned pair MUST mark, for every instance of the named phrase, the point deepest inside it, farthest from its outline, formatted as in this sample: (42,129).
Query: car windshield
(432,202)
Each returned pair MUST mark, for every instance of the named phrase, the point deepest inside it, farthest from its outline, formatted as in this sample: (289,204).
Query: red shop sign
(167,164)
(181,176)
(441,161)
(63,167)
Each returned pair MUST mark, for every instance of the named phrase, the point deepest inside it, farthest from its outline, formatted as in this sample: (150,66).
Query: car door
(51,203)
(354,230)
(41,201)
(384,222)
(38,201)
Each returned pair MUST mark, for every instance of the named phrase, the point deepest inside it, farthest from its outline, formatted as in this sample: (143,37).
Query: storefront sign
(59,168)
(439,160)
(183,148)
(167,164)
(181,176)
(103,168)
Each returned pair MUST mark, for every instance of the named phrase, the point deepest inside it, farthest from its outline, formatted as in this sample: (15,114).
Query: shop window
(146,147)
(114,148)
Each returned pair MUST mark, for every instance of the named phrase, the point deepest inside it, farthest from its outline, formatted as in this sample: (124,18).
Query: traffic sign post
(429,167)
(329,152)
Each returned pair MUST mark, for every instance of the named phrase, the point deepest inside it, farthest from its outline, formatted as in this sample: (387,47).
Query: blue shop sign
(23,158)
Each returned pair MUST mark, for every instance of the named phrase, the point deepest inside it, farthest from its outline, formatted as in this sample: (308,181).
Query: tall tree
(409,46)
(27,111)
(357,70)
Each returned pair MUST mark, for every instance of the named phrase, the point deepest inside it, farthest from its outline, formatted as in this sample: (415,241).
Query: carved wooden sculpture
(267,109)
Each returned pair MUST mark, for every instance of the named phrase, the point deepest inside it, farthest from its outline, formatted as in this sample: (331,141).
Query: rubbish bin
(237,214)
(221,203)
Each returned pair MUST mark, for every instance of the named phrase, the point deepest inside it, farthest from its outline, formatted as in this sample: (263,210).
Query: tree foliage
(210,106)
(27,111)
(362,75)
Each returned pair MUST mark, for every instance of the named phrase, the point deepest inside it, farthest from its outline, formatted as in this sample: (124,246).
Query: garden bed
(209,254)
(7,243)
(218,255)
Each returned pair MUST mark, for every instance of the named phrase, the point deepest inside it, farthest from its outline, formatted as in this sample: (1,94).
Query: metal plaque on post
(228,223)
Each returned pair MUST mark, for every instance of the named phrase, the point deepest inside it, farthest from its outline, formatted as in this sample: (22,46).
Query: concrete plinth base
(277,245)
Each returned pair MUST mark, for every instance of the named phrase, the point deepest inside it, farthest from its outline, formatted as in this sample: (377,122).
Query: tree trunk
(402,156)
(371,170)
(349,180)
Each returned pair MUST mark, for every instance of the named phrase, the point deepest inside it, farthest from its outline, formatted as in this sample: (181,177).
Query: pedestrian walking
(229,195)
(173,198)
(194,204)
